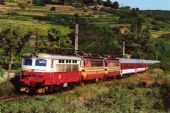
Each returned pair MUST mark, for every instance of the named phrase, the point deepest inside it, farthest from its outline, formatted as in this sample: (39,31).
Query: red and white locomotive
(44,71)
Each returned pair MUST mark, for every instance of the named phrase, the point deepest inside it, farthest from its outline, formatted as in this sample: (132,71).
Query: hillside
(26,28)
(146,92)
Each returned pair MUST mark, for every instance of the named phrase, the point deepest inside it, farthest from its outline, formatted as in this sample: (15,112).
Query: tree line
(107,3)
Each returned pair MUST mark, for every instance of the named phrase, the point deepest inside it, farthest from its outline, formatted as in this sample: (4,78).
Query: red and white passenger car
(42,71)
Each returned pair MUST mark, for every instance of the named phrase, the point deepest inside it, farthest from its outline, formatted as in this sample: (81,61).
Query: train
(42,72)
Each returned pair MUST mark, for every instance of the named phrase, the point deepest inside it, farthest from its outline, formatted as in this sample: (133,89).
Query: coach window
(67,61)
(74,61)
(62,61)
(59,61)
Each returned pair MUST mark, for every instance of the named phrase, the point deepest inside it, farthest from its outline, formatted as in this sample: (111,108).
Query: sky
(146,4)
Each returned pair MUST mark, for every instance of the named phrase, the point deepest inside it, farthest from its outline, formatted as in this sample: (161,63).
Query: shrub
(165,65)
(78,5)
(12,13)
(156,27)
(53,9)
(39,2)
(2,71)
(6,89)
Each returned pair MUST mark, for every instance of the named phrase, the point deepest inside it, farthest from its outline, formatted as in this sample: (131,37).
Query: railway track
(10,98)
(15,97)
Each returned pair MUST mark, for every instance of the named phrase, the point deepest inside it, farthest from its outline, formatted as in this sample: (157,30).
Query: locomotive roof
(53,56)
(126,60)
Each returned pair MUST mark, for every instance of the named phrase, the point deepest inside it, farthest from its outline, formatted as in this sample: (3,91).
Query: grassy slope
(118,95)
(124,95)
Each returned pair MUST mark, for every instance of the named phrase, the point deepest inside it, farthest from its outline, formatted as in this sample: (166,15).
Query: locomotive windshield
(34,62)
(27,62)
(40,62)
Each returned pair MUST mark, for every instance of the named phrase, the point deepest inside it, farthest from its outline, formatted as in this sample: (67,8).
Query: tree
(89,2)
(99,2)
(39,2)
(12,42)
(115,5)
(108,3)
(57,39)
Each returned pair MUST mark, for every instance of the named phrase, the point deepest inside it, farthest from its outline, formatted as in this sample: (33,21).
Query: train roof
(126,60)
(53,56)
(152,61)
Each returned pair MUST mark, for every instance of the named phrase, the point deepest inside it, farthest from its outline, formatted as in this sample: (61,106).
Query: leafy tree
(89,2)
(12,42)
(39,2)
(108,3)
(115,5)
(57,39)
(99,2)
(126,8)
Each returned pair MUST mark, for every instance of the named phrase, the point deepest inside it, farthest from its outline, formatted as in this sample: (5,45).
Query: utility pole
(76,33)
(123,48)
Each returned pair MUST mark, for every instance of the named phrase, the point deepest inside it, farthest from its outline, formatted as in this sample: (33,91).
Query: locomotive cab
(36,64)
(34,72)
(45,70)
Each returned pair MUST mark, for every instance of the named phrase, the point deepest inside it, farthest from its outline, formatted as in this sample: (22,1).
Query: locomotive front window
(40,62)
(27,62)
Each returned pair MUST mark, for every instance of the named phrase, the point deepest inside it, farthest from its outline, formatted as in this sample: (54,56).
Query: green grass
(115,96)
(105,21)
(115,99)
(33,25)
(2,71)
(31,11)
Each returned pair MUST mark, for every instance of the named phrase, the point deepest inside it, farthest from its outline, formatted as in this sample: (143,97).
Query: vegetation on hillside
(30,25)
(147,92)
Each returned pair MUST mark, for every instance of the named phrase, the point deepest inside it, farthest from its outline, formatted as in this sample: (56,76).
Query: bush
(2,71)
(6,89)
(53,9)
(39,2)
(165,65)
(123,100)
(78,5)
(12,13)
(156,27)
